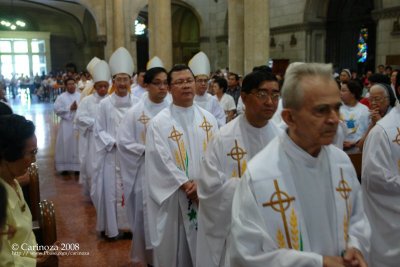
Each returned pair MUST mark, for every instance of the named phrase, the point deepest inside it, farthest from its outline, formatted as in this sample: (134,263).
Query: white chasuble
(131,140)
(84,120)
(176,142)
(66,153)
(381,188)
(225,161)
(108,196)
(270,224)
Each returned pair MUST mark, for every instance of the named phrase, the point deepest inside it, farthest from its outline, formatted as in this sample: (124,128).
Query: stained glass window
(362,46)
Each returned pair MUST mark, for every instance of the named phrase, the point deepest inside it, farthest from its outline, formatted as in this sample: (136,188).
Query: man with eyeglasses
(107,180)
(226,160)
(131,141)
(299,203)
(200,66)
(176,141)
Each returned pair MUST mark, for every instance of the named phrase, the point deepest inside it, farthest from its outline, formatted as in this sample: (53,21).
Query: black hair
(254,79)
(176,68)
(68,79)
(5,109)
(151,73)
(234,74)
(355,88)
(379,78)
(15,130)
(222,83)
(263,68)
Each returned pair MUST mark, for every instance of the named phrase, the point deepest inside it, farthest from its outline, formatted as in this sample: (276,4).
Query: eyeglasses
(202,80)
(264,95)
(159,83)
(180,83)
(376,99)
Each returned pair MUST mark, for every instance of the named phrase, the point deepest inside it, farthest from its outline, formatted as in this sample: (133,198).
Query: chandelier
(13,25)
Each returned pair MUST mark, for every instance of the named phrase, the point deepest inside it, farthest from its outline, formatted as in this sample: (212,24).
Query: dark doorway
(345,19)
(142,40)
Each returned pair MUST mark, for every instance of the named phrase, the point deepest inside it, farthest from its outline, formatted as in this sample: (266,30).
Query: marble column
(256,34)
(118,24)
(160,31)
(236,36)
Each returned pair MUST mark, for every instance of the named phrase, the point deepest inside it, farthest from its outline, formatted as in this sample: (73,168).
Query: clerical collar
(300,155)
(201,97)
(123,101)
(153,104)
(182,109)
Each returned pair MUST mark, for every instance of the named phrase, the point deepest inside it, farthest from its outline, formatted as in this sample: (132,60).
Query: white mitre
(91,64)
(155,62)
(199,64)
(101,72)
(121,62)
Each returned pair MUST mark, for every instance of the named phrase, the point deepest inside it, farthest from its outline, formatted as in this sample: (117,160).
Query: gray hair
(292,93)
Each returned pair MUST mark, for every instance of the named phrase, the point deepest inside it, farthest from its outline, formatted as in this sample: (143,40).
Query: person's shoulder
(230,128)
(362,107)
(205,113)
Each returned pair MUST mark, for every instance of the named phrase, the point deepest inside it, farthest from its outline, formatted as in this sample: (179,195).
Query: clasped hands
(190,189)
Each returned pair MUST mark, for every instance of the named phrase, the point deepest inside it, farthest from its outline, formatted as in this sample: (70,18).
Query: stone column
(160,31)
(256,34)
(118,24)
(236,36)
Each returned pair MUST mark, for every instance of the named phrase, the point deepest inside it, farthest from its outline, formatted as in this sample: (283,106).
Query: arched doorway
(346,19)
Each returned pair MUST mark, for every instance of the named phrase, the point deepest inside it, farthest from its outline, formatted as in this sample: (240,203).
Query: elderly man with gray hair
(299,202)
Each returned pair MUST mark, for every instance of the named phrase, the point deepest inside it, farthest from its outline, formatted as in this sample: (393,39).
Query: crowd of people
(212,169)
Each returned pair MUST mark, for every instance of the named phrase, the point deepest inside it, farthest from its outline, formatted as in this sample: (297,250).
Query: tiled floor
(75,215)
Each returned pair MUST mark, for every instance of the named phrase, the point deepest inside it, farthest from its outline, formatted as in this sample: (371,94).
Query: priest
(108,193)
(65,106)
(225,163)
(299,202)
(200,66)
(176,141)
(85,119)
(131,141)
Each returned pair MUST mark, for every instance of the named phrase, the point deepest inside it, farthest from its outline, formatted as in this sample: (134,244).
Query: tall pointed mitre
(101,72)
(91,64)
(199,64)
(154,63)
(121,62)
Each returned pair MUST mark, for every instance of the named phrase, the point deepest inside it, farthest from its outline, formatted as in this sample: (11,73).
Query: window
(362,46)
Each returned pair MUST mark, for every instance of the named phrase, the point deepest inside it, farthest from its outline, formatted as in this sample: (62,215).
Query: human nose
(334,116)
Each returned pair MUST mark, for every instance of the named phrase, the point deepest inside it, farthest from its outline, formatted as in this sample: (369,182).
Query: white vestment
(86,91)
(225,161)
(131,140)
(211,104)
(176,141)
(66,153)
(84,120)
(138,90)
(108,196)
(291,209)
(381,188)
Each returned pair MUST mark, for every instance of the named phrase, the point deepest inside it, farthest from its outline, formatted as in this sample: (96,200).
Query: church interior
(46,37)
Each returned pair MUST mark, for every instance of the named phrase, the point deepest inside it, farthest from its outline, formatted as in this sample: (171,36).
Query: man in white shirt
(109,198)
(299,202)
(176,141)
(225,163)
(131,141)
(85,119)
(65,106)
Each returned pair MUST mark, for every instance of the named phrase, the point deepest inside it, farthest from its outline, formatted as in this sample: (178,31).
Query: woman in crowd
(220,85)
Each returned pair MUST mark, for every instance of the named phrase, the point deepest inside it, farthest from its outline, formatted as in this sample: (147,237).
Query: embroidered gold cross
(206,126)
(176,136)
(344,191)
(397,139)
(283,203)
(144,119)
(237,153)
